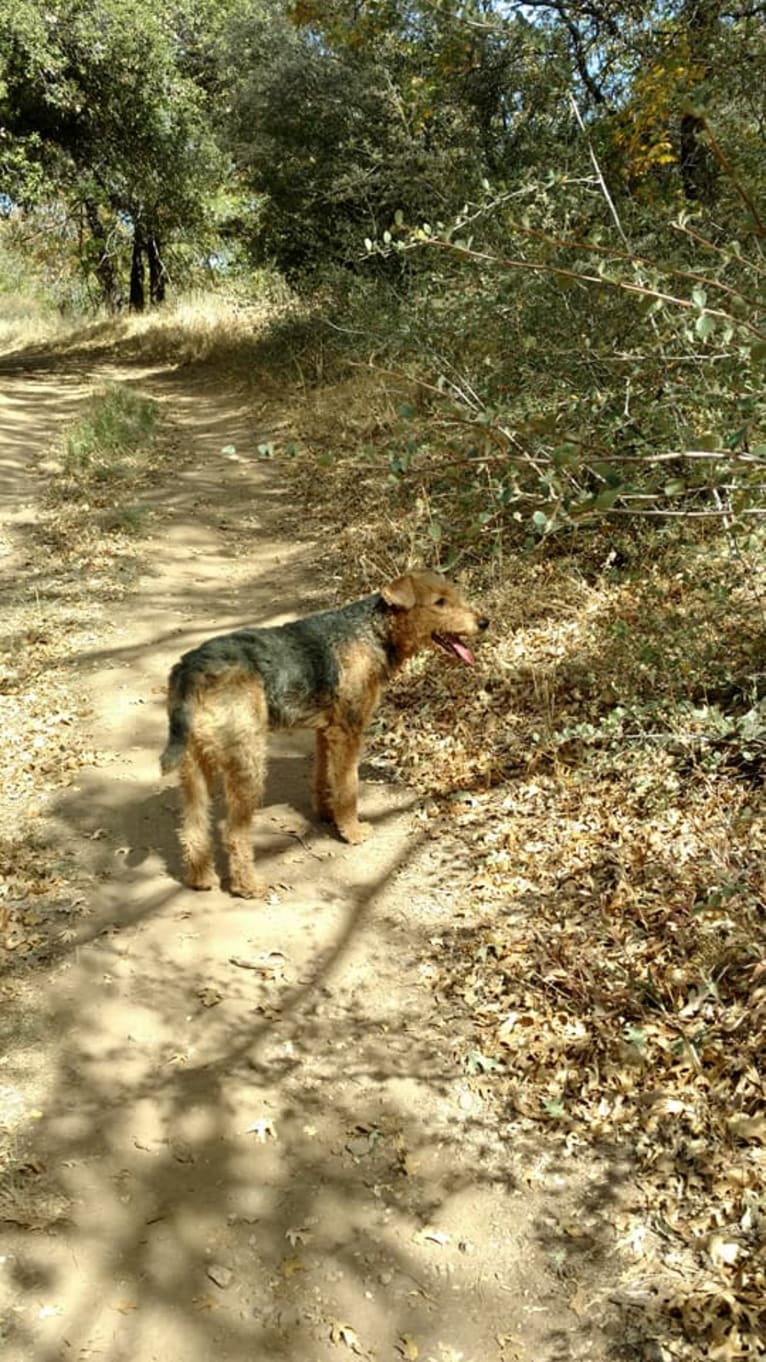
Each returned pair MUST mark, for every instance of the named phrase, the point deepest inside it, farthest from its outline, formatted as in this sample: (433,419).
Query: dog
(325,672)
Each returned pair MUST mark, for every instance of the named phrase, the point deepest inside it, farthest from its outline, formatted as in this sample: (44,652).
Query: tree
(346,116)
(104,104)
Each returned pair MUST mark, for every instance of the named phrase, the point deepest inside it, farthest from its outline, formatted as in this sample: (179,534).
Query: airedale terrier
(324,672)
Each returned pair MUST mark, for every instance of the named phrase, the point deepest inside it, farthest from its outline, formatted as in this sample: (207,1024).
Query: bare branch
(727,168)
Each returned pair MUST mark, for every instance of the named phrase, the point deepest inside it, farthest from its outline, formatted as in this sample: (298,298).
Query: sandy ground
(254,1122)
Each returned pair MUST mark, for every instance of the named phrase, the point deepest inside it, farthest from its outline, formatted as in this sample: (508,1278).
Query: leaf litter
(598,778)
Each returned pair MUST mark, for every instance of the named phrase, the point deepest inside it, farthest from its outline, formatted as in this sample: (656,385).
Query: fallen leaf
(298,1236)
(50,1311)
(723,1252)
(204,1303)
(343,1333)
(209,997)
(430,1235)
(578,1303)
(745,1127)
(262,1128)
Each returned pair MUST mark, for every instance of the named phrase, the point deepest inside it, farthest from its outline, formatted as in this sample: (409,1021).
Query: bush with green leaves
(571,377)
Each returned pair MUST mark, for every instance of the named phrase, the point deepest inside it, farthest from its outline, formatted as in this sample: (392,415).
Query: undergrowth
(111,437)
(604,764)
(107,457)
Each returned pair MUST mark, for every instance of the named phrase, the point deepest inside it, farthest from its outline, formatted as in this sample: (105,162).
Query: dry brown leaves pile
(41,748)
(613,959)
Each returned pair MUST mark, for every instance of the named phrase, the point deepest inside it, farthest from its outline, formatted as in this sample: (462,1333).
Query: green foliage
(107,110)
(106,458)
(329,148)
(25,288)
(523,196)
(576,378)
(297,130)
(586,328)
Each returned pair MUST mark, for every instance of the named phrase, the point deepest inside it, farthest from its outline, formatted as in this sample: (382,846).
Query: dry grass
(25,329)
(273,339)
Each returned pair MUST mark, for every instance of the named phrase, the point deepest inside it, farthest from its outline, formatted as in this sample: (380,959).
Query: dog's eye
(441,601)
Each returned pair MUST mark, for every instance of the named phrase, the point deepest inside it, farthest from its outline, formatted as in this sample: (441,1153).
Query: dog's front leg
(342,747)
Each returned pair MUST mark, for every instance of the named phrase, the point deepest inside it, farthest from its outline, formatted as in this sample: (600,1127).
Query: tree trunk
(104,266)
(699,171)
(137,291)
(158,275)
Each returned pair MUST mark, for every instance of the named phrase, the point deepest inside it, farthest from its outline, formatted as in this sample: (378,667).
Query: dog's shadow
(132,830)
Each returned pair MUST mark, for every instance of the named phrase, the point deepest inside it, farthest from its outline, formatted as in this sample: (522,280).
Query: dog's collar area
(452,643)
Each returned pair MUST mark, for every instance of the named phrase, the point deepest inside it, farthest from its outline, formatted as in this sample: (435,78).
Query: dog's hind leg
(197,780)
(243,780)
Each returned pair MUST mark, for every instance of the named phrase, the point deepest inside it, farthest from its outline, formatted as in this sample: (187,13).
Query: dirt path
(257,1118)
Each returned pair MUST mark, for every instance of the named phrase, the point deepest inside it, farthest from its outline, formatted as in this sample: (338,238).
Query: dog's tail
(179,722)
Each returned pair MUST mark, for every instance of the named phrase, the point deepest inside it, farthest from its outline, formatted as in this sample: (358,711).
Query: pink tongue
(463,653)
(452,644)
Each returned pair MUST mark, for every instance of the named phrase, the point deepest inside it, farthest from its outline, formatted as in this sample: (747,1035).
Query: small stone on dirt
(222,1276)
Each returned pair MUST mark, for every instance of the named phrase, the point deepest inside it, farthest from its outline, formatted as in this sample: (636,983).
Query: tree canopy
(294,131)
(106,109)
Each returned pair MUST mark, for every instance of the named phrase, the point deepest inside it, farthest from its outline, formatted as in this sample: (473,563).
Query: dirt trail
(256,1115)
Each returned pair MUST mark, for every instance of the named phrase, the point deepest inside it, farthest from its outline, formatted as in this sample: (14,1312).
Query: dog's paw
(249,887)
(203,880)
(356,832)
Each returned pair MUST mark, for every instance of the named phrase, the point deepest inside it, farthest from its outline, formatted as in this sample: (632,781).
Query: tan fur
(229,710)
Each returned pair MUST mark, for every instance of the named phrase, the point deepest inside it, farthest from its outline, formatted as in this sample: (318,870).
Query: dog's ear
(400,594)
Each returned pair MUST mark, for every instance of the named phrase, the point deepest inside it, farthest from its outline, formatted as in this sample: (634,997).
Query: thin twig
(544,267)
(575,243)
(679,515)
(599,174)
(729,171)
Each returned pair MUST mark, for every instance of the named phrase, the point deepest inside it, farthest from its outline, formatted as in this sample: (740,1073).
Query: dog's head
(426,610)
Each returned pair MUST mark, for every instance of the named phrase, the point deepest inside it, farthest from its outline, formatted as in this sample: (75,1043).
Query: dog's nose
(483,623)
